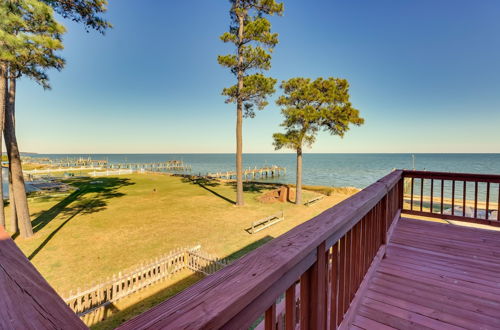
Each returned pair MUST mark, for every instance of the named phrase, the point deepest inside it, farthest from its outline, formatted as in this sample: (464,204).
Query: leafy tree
(250,33)
(32,38)
(308,107)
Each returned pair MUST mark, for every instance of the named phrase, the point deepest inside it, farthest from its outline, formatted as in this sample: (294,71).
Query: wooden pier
(263,172)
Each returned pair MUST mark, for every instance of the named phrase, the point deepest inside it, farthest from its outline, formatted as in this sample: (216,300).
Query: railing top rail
(265,273)
(28,301)
(452,176)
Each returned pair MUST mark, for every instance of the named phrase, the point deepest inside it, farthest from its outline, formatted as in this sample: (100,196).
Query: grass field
(112,223)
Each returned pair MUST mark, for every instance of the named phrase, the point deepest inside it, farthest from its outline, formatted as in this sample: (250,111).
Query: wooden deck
(357,265)
(434,276)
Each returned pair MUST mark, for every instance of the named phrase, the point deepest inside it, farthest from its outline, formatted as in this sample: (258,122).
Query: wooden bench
(266,222)
(314,200)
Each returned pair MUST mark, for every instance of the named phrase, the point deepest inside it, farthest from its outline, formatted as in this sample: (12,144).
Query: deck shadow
(164,294)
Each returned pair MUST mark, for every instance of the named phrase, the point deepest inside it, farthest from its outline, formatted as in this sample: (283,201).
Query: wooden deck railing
(311,277)
(314,271)
(457,196)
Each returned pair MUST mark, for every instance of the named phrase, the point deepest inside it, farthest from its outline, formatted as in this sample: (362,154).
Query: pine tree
(87,12)
(308,107)
(250,32)
(31,39)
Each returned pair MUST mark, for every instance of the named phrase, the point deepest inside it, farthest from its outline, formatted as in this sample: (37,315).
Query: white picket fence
(113,172)
(90,303)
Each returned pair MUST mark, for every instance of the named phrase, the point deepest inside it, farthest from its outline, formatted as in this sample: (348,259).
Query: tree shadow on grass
(92,196)
(206,184)
(252,186)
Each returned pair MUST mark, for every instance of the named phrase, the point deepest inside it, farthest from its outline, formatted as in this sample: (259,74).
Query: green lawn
(112,223)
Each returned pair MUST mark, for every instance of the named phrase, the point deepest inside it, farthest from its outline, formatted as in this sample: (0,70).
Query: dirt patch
(275,195)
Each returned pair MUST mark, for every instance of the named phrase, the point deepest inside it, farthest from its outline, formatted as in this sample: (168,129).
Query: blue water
(355,170)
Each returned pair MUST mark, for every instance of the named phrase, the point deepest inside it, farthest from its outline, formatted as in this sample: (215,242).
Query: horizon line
(256,153)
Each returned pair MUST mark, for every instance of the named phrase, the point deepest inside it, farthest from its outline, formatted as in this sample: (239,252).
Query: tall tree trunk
(239,119)
(3,103)
(298,188)
(14,223)
(15,166)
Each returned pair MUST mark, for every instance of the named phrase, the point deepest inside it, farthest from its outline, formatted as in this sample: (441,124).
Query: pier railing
(310,274)
(457,196)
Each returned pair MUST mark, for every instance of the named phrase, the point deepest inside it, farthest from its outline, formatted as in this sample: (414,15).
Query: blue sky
(425,75)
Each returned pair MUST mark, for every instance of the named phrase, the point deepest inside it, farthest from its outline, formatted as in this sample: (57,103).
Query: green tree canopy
(251,33)
(31,38)
(310,106)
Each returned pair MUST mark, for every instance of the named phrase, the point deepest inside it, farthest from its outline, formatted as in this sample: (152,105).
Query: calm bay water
(356,170)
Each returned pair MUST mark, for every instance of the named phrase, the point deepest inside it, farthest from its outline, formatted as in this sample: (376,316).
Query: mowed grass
(113,223)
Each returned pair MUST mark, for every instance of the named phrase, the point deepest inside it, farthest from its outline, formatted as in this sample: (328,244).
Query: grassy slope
(119,222)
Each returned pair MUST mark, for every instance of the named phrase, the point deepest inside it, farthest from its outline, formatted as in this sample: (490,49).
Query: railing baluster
(487,200)
(355,246)
(318,289)
(498,203)
(334,287)
(341,300)
(360,254)
(354,261)
(432,195)
(270,318)
(348,269)
(411,194)
(421,194)
(400,193)
(475,199)
(442,196)
(305,293)
(290,308)
(465,197)
(453,197)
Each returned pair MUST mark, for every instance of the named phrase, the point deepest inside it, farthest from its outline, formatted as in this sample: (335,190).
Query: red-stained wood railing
(310,277)
(27,301)
(456,196)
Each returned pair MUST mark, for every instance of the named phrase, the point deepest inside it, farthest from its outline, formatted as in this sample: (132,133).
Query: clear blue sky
(425,75)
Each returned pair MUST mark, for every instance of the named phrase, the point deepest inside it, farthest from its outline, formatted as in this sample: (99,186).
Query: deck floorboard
(434,276)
